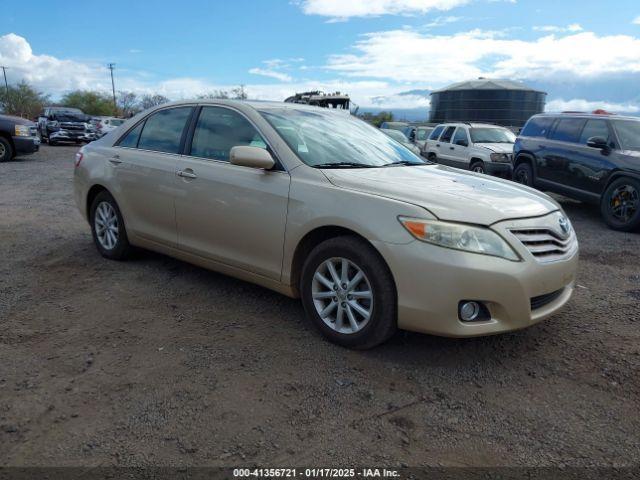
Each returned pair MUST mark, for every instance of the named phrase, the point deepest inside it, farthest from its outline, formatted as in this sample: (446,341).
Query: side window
(461,138)
(436,133)
(130,140)
(448,133)
(162,131)
(219,130)
(594,128)
(568,130)
(537,127)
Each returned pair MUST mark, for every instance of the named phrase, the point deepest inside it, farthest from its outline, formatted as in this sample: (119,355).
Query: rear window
(568,130)
(436,133)
(162,131)
(116,122)
(537,127)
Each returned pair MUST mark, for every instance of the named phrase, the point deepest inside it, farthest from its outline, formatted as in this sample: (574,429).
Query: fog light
(469,311)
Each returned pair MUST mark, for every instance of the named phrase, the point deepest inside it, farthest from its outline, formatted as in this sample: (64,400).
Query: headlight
(460,237)
(501,157)
(22,131)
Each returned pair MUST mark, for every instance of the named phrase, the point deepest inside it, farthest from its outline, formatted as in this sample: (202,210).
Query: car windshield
(492,135)
(628,133)
(397,135)
(70,117)
(423,133)
(324,139)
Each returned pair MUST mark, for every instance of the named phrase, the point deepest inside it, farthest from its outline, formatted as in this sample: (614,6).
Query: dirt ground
(156,362)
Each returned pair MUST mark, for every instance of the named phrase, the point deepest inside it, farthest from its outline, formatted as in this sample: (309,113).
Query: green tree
(22,100)
(90,102)
(377,119)
(128,104)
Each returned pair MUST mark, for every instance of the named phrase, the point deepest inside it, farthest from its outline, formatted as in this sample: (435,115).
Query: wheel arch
(615,175)
(92,194)
(314,238)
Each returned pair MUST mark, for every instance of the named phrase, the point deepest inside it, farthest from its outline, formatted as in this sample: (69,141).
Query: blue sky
(584,54)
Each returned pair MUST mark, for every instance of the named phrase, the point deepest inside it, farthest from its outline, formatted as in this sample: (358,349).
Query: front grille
(33,131)
(542,300)
(545,244)
(72,126)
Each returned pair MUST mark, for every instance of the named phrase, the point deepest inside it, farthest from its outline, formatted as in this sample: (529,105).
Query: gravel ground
(156,362)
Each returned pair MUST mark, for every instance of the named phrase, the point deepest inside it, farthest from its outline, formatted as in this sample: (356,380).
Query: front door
(231,214)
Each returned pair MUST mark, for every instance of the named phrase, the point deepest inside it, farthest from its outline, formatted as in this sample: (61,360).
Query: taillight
(79,157)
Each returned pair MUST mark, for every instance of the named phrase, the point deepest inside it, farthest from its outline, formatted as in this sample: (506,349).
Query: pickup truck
(17,136)
(63,124)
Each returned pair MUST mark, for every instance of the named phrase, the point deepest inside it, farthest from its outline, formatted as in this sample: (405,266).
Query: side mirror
(462,143)
(253,157)
(598,142)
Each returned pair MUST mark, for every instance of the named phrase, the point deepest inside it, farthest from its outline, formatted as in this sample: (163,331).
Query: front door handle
(186,174)
(451,148)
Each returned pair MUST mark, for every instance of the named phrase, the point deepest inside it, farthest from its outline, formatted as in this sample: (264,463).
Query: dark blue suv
(589,157)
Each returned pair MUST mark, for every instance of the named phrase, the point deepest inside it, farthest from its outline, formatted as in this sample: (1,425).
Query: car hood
(448,193)
(17,120)
(497,147)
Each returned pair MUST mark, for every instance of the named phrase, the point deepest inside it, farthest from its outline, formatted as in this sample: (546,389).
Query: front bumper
(72,136)
(499,169)
(26,145)
(431,281)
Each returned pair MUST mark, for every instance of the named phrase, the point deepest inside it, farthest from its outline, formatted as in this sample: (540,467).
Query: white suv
(479,147)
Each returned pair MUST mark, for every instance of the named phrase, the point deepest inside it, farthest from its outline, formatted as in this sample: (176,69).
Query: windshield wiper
(407,163)
(343,165)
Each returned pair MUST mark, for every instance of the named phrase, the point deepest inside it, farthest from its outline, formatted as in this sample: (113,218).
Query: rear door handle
(451,148)
(115,159)
(186,174)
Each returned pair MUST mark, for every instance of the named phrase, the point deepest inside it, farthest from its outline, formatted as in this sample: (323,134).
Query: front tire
(620,205)
(6,151)
(477,167)
(523,174)
(348,293)
(107,227)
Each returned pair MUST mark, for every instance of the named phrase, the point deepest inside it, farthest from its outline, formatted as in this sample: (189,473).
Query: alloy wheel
(3,151)
(342,295)
(106,225)
(522,177)
(624,203)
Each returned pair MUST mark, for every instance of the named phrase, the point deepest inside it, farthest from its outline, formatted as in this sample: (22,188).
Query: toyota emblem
(564,225)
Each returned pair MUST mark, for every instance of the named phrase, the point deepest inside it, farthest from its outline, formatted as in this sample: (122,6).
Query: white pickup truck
(479,147)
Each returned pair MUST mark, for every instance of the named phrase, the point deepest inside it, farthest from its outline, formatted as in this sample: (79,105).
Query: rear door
(228,213)
(144,168)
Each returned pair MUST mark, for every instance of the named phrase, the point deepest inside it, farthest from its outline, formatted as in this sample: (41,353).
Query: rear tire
(107,227)
(366,320)
(523,174)
(6,151)
(620,205)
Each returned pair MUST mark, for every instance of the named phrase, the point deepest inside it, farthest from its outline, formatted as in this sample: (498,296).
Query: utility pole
(6,84)
(111,66)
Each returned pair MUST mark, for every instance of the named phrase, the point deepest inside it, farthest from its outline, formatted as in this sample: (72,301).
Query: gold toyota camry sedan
(316,204)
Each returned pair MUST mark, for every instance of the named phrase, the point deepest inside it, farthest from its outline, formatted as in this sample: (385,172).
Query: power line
(111,66)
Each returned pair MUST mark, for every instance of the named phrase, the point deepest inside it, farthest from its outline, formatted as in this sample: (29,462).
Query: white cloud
(344,9)
(283,77)
(399,55)
(441,21)
(581,105)
(574,27)
(636,20)
(47,72)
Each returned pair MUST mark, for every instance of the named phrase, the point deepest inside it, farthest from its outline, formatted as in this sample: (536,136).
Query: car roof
(255,104)
(471,125)
(605,116)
